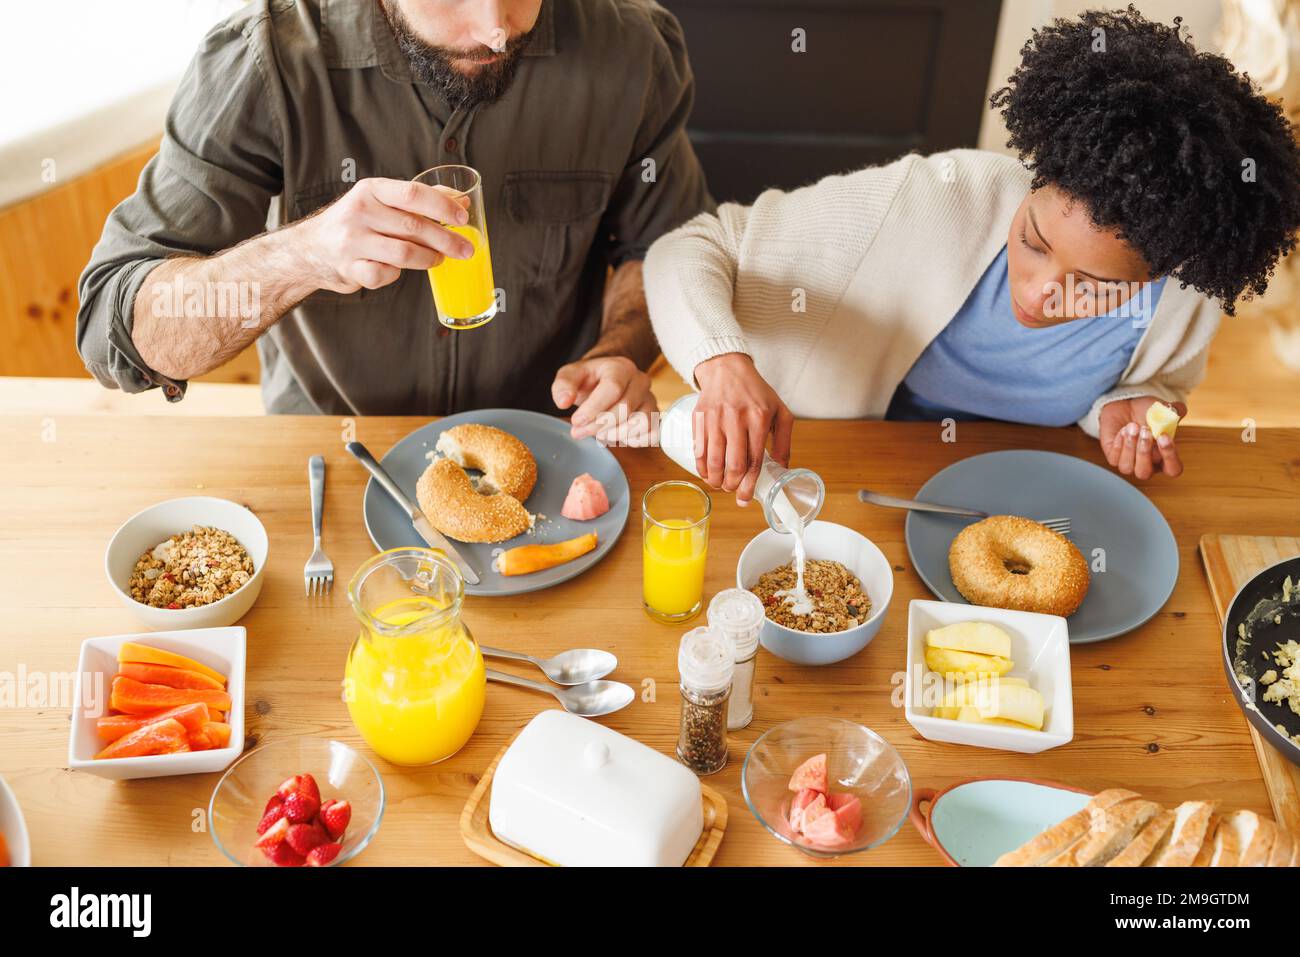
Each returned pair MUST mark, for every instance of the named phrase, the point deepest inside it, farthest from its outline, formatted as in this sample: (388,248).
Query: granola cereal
(191,569)
(839,602)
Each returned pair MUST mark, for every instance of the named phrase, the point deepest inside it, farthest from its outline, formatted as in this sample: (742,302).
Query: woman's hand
(736,413)
(1127,443)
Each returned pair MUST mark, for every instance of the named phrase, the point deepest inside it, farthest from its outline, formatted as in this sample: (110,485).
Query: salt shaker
(739,615)
(705,661)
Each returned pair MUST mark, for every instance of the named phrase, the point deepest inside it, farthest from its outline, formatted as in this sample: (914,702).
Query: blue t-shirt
(986,365)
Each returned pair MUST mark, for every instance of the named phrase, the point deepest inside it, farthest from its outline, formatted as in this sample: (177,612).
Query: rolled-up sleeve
(663,184)
(209,188)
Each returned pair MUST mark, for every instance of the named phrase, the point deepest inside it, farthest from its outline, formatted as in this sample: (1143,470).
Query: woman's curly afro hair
(1196,170)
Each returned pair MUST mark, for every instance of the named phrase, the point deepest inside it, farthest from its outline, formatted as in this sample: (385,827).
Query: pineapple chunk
(976,637)
(1162,420)
(1011,702)
(964,695)
(946,661)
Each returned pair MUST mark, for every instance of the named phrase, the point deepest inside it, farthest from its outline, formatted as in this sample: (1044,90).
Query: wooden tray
(478,836)
(1230,562)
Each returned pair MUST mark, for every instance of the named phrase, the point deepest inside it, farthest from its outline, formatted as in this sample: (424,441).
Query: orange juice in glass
(415,682)
(674,546)
(463,291)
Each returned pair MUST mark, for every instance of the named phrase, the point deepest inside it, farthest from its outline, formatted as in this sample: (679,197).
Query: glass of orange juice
(674,544)
(463,291)
(415,682)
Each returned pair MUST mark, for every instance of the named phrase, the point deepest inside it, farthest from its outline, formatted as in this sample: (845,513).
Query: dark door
(876,79)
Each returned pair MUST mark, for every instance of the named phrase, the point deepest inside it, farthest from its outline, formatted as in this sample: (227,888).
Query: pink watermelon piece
(848,811)
(810,774)
(586,499)
(805,801)
(826,830)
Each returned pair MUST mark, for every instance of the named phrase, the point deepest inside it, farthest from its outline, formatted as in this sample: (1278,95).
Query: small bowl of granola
(192,562)
(848,584)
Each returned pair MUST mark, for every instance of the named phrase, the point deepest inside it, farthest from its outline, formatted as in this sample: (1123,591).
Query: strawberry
(274,812)
(335,815)
(322,855)
(303,837)
(301,783)
(275,834)
(300,807)
(282,855)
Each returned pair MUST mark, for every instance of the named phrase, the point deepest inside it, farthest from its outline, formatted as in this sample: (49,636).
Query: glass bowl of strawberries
(303,802)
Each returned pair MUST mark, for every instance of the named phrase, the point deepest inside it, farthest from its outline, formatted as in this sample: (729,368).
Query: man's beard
(432,65)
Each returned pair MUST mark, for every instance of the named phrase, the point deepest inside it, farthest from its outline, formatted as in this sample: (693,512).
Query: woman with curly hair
(1156,187)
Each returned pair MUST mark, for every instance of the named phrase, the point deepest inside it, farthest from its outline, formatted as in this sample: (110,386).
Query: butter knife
(431,535)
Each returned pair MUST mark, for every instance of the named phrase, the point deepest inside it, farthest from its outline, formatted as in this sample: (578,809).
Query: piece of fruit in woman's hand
(1162,420)
(336,815)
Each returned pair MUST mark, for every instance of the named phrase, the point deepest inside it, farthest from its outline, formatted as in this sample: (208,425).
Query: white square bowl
(219,648)
(1040,648)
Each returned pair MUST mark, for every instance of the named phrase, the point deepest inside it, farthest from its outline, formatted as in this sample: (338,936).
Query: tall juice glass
(674,545)
(415,682)
(463,291)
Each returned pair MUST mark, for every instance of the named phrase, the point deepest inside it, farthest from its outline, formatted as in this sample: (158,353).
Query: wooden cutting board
(1230,562)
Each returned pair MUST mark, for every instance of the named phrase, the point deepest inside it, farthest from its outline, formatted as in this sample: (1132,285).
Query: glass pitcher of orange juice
(415,682)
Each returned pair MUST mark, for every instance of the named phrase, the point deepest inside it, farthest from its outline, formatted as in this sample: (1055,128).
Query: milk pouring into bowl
(790,498)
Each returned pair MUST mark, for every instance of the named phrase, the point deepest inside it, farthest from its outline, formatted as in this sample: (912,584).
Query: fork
(318,575)
(1059,525)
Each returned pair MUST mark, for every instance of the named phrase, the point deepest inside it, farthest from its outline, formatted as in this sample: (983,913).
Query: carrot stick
(525,559)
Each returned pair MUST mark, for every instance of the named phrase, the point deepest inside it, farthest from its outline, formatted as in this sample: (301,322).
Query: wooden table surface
(1153,711)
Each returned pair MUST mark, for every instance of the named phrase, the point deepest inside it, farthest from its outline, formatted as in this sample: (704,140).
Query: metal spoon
(573,667)
(590,700)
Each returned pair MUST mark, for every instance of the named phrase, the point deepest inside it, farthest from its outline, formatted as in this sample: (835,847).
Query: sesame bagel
(491,510)
(1006,561)
(454,507)
(505,462)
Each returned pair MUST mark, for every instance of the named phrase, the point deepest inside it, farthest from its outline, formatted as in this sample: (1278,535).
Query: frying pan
(1256,606)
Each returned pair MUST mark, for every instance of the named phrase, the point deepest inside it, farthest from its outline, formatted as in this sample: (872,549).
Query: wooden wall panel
(45,243)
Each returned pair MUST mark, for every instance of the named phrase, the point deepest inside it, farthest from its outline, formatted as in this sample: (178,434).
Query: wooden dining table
(1153,711)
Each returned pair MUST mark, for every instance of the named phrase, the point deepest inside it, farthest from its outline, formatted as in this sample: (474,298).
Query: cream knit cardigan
(836,289)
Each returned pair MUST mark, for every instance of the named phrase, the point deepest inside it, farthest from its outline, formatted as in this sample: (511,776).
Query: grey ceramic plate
(559,461)
(1106,512)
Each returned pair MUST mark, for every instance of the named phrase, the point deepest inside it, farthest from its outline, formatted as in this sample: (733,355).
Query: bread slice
(1063,835)
(1112,830)
(1206,852)
(1227,843)
(1283,848)
(1185,839)
(1144,845)
(1254,835)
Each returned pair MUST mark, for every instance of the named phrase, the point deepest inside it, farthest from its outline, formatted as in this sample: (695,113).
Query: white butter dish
(575,793)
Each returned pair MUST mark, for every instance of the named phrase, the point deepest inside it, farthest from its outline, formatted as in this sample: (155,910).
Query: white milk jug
(791,498)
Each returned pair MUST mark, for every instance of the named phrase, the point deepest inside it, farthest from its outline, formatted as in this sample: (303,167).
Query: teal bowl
(973,823)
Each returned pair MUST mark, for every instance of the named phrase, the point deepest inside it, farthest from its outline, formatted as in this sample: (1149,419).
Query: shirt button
(451,144)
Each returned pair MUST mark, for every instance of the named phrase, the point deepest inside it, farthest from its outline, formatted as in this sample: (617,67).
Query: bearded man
(280,207)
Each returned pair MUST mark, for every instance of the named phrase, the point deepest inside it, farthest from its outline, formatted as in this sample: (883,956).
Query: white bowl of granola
(195,562)
(856,565)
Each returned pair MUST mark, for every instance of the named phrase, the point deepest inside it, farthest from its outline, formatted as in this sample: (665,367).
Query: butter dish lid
(599,775)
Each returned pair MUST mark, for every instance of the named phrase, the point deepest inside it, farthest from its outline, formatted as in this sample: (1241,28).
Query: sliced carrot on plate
(192,716)
(167,736)
(136,697)
(144,654)
(525,559)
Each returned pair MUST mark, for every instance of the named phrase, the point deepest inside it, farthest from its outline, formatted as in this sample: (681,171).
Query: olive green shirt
(584,162)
